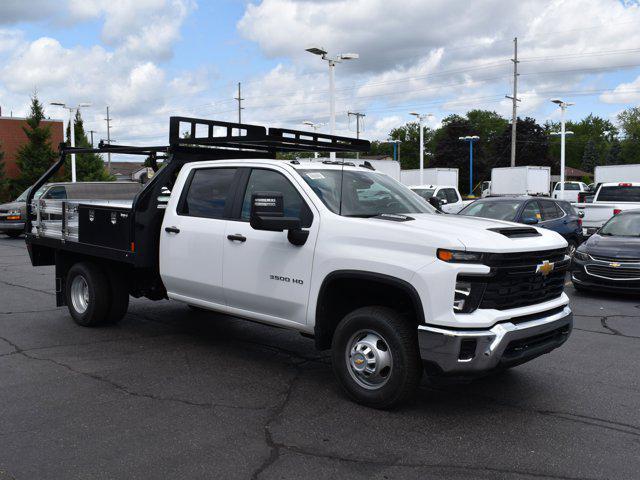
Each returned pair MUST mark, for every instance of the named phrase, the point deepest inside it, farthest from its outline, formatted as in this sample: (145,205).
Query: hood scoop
(516,232)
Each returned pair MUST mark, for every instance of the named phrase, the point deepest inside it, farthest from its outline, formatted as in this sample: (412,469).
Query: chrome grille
(613,273)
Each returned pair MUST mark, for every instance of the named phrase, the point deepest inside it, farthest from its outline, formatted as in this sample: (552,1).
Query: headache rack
(129,233)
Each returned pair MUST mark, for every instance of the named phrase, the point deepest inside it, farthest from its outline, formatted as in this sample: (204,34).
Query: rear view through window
(619,193)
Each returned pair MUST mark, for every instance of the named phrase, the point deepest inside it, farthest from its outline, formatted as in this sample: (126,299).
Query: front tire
(375,357)
(13,233)
(88,294)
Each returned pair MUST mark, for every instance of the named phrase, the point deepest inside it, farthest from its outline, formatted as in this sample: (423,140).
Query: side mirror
(267,213)
(436,203)
(530,221)
(443,201)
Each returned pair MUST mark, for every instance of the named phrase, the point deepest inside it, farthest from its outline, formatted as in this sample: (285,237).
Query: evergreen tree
(37,155)
(614,155)
(89,166)
(629,121)
(589,157)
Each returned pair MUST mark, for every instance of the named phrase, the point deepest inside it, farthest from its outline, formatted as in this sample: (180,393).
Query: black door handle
(237,238)
(172,230)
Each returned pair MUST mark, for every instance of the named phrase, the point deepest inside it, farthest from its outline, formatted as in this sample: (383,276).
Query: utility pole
(239,99)
(358,117)
(108,119)
(515,100)
(92,132)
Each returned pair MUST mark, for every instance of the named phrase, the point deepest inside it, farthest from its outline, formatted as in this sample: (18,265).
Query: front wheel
(13,233)
(375,357)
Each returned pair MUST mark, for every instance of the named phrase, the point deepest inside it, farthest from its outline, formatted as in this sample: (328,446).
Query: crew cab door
(265,276)
(192,237)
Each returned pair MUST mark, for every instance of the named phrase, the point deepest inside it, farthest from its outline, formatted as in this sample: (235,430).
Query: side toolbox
(105,226)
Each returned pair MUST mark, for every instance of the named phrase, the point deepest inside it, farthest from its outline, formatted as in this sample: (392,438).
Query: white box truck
(431,176)
(617,173)
(520,181)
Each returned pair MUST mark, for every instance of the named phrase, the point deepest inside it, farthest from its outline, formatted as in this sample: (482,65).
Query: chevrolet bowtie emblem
(545,268)
(614,265)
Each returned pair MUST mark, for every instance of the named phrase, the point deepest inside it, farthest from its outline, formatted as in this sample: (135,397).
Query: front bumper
(477,351)
(6,226)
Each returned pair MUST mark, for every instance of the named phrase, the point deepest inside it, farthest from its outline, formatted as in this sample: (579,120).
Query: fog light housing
(462,294)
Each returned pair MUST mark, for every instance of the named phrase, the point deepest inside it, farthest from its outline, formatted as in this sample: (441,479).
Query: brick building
(12,136)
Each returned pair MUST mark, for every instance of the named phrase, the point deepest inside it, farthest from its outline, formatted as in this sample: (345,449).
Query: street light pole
(563,107)
(320,51)
(315,127)
(72,131)
(470,139)
(420,126)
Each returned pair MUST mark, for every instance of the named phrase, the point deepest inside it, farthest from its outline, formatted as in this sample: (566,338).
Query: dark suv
(556,215)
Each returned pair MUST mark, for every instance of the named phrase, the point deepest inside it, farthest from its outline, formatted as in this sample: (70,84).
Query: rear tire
(13,233)
(375,357)
(88,294)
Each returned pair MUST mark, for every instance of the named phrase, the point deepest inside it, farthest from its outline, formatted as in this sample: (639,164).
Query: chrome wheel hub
(369,359)
(79,294)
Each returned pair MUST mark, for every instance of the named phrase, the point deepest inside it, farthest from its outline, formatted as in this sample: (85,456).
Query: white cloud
(143,29)
(623,93)
(14,11)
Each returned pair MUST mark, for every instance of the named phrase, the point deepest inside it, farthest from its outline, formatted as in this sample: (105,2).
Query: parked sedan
(610,259)
(556,215)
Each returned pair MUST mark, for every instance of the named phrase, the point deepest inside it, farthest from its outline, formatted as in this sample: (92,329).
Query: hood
(618,247)
(474,233)
(12,206)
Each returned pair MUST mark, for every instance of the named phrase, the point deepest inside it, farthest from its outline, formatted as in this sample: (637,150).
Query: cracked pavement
(170,393)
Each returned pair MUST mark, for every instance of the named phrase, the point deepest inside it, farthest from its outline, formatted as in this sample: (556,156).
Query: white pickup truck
(448,196)
(337,252)
(609,200)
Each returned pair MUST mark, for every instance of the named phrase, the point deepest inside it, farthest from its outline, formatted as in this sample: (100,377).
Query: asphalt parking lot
(169,393)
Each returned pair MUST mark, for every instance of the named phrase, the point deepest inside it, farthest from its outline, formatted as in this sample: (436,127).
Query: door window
(441,194)
(270,181)
(207,193)
(452,196)
(532,210)
(550,210)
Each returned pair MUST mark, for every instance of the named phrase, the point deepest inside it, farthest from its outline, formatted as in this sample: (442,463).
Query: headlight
(581,256)
(457,256)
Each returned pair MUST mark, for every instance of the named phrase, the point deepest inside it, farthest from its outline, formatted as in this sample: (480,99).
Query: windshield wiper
(362,215)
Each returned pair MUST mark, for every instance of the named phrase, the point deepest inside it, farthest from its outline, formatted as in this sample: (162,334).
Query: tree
(532,145)
(614,154)
(589,157)
(629,121)
(89,166)
(37,155)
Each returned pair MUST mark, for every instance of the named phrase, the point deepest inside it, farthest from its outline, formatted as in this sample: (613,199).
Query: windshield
(425,193)
(623,225)
(23,195)
(500,210)
(364,194)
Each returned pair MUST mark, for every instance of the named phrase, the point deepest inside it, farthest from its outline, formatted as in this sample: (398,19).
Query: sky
(150,59)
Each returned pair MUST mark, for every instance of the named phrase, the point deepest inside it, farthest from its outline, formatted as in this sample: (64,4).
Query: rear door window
(550,210)
(619,193)
(207,194)
(532,210)
(56,193)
